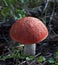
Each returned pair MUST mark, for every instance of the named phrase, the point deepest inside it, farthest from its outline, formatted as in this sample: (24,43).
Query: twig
(35,58)
(51,17)
(8,43)
(46,6)
(53,10)
(22,62)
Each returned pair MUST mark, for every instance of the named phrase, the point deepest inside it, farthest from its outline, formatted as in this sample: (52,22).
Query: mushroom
(28,31)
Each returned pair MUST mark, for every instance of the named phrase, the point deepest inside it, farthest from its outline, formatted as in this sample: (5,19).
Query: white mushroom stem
(30,49)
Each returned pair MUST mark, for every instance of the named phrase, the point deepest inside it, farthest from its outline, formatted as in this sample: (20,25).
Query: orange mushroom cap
(28,30)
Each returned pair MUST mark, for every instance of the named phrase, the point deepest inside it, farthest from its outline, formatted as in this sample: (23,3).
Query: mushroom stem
(30,49)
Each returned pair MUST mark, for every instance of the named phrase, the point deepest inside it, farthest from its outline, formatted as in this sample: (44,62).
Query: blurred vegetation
(40,59)
(15,8)
(42,9)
